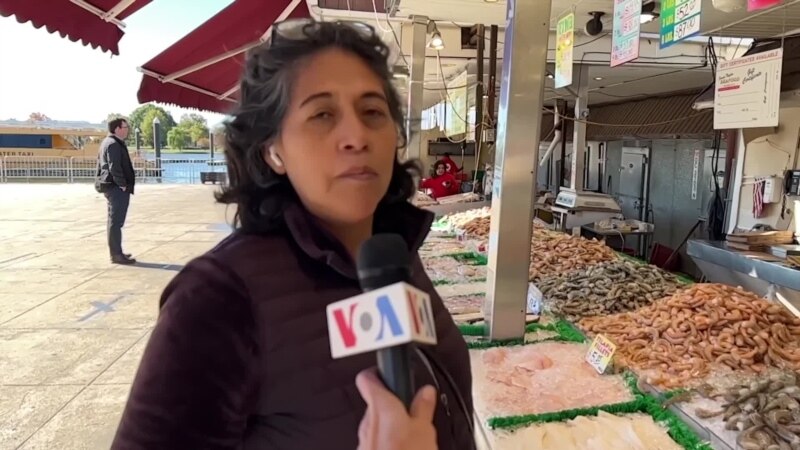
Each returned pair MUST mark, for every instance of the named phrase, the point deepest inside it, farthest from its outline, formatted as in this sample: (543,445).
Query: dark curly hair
(258,192)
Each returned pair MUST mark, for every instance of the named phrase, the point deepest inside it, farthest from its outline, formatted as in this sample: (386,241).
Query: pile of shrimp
(679,338)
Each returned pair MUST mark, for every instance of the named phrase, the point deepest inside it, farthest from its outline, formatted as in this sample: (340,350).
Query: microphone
(387,318)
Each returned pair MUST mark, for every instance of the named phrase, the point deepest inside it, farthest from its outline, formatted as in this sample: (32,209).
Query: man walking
(116,179)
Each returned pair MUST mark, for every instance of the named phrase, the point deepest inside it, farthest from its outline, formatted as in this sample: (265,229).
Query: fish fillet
(540,378)
(604,432)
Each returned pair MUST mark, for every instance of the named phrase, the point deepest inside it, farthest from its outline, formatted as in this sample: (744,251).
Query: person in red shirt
(450,165)
(443,183)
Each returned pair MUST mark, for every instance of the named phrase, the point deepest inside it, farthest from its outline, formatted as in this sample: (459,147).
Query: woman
(443,182)
(239,357)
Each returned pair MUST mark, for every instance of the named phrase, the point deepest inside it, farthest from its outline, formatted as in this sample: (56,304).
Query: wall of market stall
(767,153)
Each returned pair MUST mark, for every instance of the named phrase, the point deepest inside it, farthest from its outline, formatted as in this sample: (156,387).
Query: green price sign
(680,19)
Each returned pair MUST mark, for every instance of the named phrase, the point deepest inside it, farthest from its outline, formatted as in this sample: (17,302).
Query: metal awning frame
(108,16)
(174,77)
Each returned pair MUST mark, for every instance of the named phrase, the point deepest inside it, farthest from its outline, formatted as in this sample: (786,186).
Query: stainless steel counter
(757,272)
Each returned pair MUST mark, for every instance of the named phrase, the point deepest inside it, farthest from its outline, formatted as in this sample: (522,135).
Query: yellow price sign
(600,353)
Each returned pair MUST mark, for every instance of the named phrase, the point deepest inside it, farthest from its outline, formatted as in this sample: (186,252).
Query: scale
(577,208)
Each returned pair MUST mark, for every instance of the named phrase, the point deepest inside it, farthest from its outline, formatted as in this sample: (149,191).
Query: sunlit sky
(42,72)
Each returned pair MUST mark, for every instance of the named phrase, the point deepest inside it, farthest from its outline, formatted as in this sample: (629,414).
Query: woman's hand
(386,424)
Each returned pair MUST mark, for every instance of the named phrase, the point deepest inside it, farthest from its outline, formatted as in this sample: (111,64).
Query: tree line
(190,132)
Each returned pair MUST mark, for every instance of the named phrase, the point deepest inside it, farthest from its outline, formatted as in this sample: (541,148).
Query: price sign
(687,28)
(600,353)
(679,20)
(686,10)
(534,299)
(625,37)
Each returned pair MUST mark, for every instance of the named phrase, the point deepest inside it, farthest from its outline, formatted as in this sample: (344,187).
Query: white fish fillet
(604,432)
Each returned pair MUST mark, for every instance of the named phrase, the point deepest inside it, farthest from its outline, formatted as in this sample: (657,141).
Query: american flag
(758,197)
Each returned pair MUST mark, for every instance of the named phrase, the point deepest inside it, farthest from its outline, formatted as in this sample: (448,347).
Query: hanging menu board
(564,44)
(625,38)
(747,91)
(680,19)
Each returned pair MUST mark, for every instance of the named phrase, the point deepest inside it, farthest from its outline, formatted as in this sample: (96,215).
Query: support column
(479,91)
(516,159)
(416,81)
(579,130)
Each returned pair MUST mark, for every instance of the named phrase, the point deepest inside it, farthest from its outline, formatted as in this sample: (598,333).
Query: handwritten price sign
(600,353)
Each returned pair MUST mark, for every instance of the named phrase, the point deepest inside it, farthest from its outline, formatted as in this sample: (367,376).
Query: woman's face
(338,140)
(440,170)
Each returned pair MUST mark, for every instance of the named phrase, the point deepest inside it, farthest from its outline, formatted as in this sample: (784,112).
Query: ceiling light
(436,43)
(550,75)
(598,78)
(490,1)
(647,17)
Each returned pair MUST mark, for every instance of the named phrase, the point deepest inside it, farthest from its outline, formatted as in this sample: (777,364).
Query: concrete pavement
(73,326)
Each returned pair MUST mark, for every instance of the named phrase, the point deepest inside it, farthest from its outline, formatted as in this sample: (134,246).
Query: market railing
(57,169)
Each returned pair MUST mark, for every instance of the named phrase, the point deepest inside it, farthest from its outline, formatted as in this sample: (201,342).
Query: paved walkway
(72,326)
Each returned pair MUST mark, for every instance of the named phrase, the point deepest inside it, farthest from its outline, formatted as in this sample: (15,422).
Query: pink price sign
(755,5)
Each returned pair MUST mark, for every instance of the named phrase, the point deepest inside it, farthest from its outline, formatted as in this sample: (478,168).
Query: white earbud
(273,155)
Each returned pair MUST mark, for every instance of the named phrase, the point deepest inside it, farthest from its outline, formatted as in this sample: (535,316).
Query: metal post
(416,81)
(492,72)
(137,135)
(479,93)
(211,143)
(516,159)
(561,108)
(579,129)
(157,145)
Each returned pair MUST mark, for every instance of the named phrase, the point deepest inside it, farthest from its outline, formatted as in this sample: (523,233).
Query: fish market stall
(757,271)
(690,346)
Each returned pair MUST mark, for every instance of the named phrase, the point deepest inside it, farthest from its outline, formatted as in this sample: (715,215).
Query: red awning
(93,22)
(202,70)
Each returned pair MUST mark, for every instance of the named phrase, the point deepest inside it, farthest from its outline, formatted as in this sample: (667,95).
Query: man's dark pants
(118,202)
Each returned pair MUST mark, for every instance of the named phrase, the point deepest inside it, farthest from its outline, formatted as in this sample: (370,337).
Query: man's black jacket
(114,164)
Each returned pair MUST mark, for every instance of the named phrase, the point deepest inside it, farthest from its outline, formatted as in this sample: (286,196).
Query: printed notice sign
(747,91)
(679,20)
(600,353)
(625,40)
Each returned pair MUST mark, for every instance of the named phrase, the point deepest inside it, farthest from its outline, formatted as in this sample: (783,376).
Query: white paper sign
(747,91)
(534,299)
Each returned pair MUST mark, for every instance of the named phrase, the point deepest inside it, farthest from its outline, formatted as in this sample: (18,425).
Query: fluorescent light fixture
(598,78)
(647,17)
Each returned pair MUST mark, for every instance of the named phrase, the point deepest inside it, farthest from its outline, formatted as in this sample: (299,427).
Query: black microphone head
(383,259)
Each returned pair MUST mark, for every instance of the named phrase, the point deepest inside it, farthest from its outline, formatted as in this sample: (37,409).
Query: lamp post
(137,136)
(211,142)
(157,145)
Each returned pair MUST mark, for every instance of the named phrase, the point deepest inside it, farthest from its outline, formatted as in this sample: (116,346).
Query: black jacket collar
(410,222)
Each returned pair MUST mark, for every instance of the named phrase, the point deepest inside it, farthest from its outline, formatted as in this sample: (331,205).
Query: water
(183,168)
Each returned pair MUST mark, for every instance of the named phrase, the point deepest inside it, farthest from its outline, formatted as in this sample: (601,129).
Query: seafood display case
(758,272)
(704,365)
